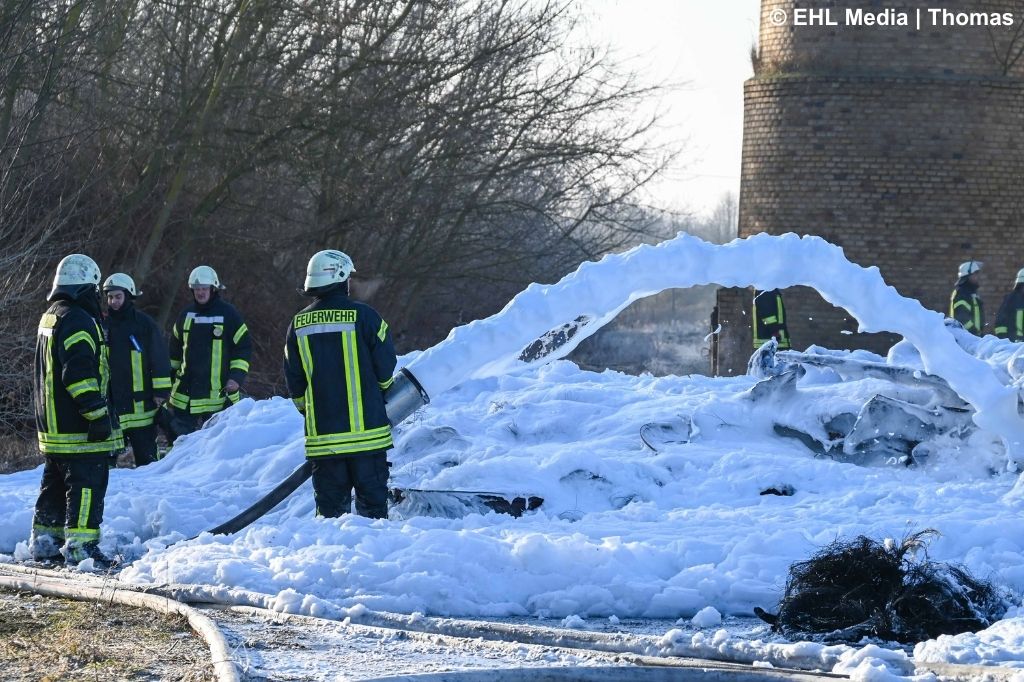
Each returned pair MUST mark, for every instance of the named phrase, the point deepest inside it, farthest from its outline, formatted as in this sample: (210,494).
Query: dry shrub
(18,453)
(864,588)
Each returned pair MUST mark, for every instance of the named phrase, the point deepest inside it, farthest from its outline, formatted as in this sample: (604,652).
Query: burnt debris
(863,588)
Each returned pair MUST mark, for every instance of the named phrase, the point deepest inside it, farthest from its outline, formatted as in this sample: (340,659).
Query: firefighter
(338,361)
(76,428)
(1010,318)
(965,303)
(210,350)
(140,370)
(770,319)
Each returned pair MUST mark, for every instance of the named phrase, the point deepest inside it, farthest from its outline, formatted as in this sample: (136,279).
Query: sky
(677,529)
(703,46)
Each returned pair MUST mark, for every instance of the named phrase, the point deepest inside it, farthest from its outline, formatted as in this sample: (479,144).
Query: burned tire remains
(863,588)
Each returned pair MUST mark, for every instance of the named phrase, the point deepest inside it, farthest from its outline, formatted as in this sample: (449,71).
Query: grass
(53,640)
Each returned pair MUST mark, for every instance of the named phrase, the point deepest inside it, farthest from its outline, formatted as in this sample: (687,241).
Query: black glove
(99,429)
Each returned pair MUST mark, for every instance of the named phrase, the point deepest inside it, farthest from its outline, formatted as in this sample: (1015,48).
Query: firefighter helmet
(120,280)
(1020,276)
(968,268)
(75,273)
(326,268)
(204,276)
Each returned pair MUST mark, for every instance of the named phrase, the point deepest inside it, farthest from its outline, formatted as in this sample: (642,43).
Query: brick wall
(904,148)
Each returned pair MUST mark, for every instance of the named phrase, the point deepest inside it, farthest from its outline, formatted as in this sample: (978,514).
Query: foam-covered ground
(624,530)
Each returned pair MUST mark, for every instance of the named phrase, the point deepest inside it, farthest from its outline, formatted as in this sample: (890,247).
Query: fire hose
(401,399)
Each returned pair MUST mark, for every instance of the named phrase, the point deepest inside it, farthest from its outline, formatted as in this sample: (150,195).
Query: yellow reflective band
(48,321)
(342,438)
(56,531)
(52,444)
(350,352)
(242,331)
(84,386)
(215,403)
(63,437)
(77,337)
(383,331)
(51,406)
(137,378)
(175,332)
(140,417)
(179,400)
(83,508)
(999,330)
(93,415)
(175,364)
(82,535)
(307,366)
(771,319)
(300,403)
(363,446)
(215,368)
(385,385)
(239,364)
(161,382)
(1020,323)
(182,364)
(104,358)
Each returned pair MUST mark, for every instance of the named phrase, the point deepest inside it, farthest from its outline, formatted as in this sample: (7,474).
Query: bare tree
(457,149)
(723,225)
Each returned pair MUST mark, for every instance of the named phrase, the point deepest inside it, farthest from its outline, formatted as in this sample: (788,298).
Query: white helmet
(75,271)
(328,267)
(120,280)
(968,268)
(204,276)
(1020,276)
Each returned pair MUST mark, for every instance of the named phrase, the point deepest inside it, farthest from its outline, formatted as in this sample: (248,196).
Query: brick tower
(901,144)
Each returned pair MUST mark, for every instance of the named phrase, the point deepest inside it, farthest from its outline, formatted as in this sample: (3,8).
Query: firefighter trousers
(143,442)
(70,503)
(335,477)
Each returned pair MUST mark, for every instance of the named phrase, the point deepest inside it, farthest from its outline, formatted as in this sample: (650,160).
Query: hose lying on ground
(51,584)
(267,502)
(781,655)
(403,397)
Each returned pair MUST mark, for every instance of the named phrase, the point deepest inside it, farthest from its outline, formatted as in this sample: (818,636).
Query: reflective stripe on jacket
(71,382)
(965,307)
(209,345)
(770,319)
(1010,318)
(338,360)
(139,366)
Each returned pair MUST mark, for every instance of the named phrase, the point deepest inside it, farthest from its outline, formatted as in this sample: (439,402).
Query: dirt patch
(52,639)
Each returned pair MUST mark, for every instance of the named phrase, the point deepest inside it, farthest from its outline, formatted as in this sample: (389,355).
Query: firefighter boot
(44,545)
(76,552)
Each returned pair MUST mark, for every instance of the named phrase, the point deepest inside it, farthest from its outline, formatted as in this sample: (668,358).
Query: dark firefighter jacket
(965,306)
(338,360)
(139,366)
(71,381)
(770,319)
(210,344)
(1010,318)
